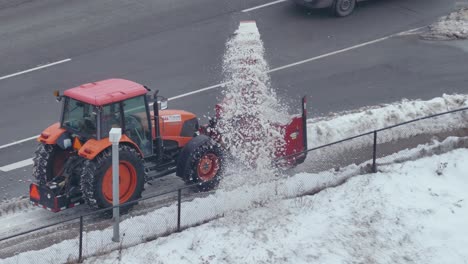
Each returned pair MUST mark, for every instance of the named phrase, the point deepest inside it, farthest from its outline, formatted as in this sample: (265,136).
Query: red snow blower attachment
(291,153)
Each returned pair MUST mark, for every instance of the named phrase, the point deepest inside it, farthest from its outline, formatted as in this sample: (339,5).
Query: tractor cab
(91,110)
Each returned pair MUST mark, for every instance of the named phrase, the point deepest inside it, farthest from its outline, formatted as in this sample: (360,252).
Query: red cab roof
(106,91)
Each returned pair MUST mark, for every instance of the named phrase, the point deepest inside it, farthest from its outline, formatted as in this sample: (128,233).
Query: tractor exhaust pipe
(159,143)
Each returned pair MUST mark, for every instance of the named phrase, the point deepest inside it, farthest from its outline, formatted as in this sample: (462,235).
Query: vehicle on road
(340,8)
(73,162)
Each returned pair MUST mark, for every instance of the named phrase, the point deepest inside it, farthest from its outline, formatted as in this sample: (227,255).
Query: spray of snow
(250,108)
(452,26)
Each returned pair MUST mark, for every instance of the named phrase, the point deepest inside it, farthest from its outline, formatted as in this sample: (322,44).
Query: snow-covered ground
(452,26)
(412,212)
(383,218)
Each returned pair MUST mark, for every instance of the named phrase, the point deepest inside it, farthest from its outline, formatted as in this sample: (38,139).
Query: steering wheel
(74,124)
(134,128)
(88,126)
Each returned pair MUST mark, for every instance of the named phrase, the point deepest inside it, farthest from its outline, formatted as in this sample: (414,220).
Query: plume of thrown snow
(250,108)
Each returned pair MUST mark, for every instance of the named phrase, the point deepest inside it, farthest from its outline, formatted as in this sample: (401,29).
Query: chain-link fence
(162,214)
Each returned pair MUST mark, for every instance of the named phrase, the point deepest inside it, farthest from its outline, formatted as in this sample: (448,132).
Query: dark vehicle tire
(48,162)
(96,178)
(205,166)
(342,8)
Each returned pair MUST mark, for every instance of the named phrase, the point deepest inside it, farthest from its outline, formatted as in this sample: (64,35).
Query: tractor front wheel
(206,166)
(96,179)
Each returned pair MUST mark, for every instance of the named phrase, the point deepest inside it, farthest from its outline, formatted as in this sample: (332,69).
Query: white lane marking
(411,32)
(342,50)
(34,69)
(197,91)
(18,142)
(17,165)
(272,70)
(301,62)
(261,6)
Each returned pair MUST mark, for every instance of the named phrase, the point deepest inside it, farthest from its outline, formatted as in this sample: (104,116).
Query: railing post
(80,254)
(374,155)
(114,137)
(179,199)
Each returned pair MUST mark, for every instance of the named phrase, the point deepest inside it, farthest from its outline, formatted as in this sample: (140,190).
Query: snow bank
(225,203)
(453,26)
(343,125)
(335,127)
(413,212)
(250,106)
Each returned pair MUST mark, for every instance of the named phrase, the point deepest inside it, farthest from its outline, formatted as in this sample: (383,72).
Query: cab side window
(110,117)
(137,123)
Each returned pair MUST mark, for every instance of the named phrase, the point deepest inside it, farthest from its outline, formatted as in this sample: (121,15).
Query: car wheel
(342,8)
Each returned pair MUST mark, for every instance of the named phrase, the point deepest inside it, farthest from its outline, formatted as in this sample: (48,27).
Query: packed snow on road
(450,27)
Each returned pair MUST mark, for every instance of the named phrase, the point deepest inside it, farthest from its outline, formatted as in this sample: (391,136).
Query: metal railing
(177,218)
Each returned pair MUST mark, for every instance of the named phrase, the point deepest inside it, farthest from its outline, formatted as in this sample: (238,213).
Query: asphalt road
(177,47)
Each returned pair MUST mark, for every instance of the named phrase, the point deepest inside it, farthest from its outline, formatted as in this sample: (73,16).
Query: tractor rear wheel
(206,166)
(48,162)
(96,179)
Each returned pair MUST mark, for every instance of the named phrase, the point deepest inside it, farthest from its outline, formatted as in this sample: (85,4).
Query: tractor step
(159,166)
(158,174)
(45,197)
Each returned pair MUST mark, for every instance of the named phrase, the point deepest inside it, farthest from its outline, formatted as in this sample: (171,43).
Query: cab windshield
(79,118)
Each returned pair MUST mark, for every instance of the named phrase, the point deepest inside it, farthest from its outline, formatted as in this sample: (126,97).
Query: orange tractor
(72,163)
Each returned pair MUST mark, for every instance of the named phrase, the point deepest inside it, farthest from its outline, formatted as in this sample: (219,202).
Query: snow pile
(250,107)
(335,127)
(339,126)
(453,26)
(413,212)
(228,204)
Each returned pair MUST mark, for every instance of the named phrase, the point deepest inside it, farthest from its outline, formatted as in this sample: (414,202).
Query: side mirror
(162,104)
(57,95)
